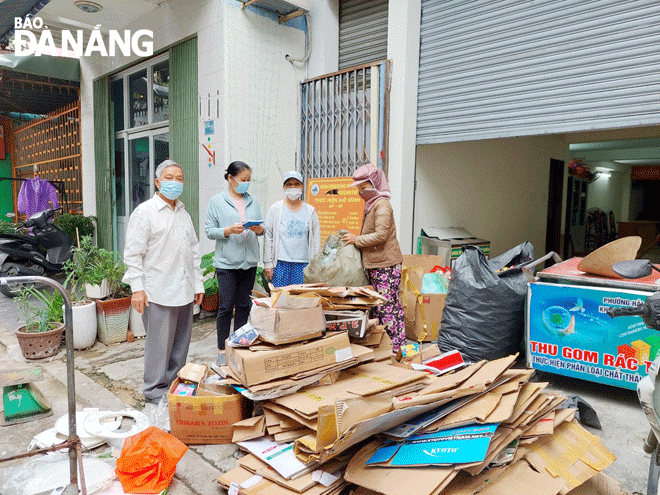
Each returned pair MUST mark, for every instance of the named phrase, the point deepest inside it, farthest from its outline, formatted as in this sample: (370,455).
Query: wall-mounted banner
(337,205)
(570,333)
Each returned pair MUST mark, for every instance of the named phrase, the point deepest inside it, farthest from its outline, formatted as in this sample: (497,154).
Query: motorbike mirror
(634,268)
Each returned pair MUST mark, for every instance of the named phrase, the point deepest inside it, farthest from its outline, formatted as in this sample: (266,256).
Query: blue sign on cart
(570,333)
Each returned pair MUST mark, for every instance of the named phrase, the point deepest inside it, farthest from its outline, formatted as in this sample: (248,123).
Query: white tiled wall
(244,76)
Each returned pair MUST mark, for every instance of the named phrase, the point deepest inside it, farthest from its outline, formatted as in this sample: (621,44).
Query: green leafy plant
(90,264)
(69,222)
(44,313)
(210,283)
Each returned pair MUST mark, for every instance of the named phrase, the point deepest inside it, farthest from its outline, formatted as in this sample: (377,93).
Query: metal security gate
(362,32)
(344,121)
(49,147)
(518,68)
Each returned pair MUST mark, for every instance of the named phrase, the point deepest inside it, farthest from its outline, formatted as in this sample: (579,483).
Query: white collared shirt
(162,253)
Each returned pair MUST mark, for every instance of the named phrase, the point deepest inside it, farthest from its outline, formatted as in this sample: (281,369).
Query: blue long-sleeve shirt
(238,251)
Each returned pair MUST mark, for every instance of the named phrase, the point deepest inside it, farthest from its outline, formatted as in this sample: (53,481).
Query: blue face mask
(242,187)
(171,189)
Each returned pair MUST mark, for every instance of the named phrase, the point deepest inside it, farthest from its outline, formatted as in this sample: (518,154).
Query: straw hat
(601,260)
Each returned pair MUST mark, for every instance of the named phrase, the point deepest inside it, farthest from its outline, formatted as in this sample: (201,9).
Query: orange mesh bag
(148,461)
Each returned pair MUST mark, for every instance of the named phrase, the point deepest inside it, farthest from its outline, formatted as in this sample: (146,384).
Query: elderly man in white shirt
(163,269)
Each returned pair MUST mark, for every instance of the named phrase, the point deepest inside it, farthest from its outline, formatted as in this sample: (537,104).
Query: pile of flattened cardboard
(337,298)
(484,428)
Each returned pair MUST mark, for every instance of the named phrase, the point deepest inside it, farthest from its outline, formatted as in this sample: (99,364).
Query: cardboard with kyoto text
(390,481)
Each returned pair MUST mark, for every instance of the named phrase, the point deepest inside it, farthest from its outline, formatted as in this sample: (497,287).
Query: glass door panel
(120,192)
(161,148)
(137,84)
(139,169)
(161,84)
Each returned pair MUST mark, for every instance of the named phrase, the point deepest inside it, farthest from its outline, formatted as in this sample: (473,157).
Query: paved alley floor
(110,378)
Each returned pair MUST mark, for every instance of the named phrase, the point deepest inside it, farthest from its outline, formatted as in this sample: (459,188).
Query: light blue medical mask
(171,189)
(242,187)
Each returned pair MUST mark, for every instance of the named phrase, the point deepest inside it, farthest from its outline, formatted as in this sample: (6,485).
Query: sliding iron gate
(344,120)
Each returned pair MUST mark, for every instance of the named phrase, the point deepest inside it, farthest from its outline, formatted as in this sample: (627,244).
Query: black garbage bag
(484,312)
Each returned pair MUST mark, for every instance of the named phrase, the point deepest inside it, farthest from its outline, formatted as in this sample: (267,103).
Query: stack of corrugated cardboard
(294,349)
(482,429)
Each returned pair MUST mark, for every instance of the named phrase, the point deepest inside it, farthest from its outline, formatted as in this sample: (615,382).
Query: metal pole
(70,370)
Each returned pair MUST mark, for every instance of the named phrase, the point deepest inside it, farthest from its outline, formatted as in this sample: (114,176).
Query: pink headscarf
(377,177)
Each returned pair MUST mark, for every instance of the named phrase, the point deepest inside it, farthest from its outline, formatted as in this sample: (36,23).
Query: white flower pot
(135,323)
(97,291)
(84,325)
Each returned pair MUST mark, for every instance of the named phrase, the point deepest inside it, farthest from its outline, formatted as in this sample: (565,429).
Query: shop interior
(611,191)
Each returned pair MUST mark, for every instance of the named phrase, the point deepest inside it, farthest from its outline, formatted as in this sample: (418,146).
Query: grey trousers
(166,345)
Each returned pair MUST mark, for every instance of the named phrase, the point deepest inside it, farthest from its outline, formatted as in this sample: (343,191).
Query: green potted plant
(112,312)
(94,266)
(41,335)
(211,293)
(84,323)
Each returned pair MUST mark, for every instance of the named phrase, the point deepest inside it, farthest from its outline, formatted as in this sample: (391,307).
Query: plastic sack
(336,264)
(147,462)
(435,282)
(484,313)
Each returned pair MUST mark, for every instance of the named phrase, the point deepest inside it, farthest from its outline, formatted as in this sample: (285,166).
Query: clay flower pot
(39,345)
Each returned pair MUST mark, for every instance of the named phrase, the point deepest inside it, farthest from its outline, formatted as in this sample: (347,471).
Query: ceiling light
(88,7)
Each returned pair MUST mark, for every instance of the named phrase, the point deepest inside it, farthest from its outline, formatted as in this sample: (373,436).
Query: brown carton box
(259,366)
(204,419)
(282,326)
(425,309)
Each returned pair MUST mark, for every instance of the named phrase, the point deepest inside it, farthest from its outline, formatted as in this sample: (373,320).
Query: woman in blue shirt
(236,249)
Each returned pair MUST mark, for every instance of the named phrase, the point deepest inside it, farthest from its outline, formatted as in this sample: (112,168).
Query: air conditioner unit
(284,9)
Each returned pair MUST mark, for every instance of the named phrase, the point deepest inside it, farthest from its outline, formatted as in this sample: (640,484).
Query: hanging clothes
(36,195)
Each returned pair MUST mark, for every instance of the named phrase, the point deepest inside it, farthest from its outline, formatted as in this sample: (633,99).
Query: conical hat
(601,260)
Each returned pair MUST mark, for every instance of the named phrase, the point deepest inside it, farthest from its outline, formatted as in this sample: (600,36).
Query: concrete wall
(496,189)
(606,193)
(243,72)
(403,32)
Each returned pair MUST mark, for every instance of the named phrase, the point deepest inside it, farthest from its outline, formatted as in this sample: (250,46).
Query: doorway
(135,172)
(616,195)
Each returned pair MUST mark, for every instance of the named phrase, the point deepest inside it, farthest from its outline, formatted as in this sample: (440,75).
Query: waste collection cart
(568,331)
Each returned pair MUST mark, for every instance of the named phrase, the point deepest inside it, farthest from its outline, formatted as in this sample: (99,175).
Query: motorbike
(648,388)
(42,251)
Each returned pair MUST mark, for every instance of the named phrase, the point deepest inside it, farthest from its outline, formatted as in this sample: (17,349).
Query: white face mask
(293,193)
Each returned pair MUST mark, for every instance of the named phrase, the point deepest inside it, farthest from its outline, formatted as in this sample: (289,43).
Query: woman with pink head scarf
(381,254)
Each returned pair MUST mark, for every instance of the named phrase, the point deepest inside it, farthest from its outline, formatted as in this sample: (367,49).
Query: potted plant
(41,335)
(211,292)
(83,309)
(92,265)
(112,312)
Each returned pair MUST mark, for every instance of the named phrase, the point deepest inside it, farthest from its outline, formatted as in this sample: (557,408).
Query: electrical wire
(308,41)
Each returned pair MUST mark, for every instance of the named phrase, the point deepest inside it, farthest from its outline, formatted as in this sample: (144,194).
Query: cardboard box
(282,326)
(448,243)
(204,419)
(423,309)
(263,365)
